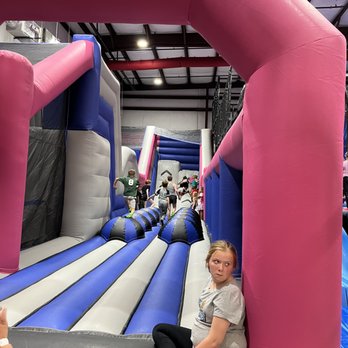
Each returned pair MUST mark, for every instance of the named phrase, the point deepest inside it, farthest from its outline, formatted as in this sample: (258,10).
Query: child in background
(194,200)
(194,185)
(163,199)
(200,203)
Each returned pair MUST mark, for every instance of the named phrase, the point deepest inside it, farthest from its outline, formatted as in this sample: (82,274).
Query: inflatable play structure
(285,146)
(95,250)
(173,153)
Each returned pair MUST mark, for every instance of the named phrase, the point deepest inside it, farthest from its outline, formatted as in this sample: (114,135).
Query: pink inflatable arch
(289,143)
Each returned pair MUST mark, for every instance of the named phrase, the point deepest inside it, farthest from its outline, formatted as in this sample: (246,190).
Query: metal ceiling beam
(113,35)
(164,108)
(236,84)
(167,63)
(168,96)
(184,33)
(129,42)
(336,20)
(67,28)
(154,51)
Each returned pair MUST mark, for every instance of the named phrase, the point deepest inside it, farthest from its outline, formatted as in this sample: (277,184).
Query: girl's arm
(216,334)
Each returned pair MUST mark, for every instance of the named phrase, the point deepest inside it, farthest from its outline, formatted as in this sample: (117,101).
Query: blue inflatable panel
(188,166)
(230,196)
(208,201)
(154,175)
(66,309)
(84,106)
(162,300)
(103,126)
(215,206)
(344,297)
(120,207)
(167,142)
(137,153)
(179,151)
(32,274)
(344,328)
(54,113)
(180,158)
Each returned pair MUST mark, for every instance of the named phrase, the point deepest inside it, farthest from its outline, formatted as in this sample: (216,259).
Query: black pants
(171,336)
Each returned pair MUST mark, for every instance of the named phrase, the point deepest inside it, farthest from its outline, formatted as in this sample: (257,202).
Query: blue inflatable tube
(28,276)
(84,107)
(188,166)
(162,300)
(66,309)
(178,151)
(176,144)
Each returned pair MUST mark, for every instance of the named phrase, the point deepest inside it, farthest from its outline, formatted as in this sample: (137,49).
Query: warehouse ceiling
(176,56)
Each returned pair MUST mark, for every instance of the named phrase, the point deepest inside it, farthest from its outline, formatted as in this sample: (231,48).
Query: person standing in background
(163,199)
(184,183)
(173,189)
(144,193)
(131,184)
(200,203)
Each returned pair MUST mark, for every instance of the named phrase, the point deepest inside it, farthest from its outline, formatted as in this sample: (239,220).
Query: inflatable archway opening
(285,135)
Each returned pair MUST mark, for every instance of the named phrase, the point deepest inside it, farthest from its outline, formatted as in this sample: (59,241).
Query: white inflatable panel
(111,313)
(146,150)
(185,201)
(87,185)
(39,252)
(25,302)
(129,161)
(110,91)
(196,278)
(207,150)
(164,167)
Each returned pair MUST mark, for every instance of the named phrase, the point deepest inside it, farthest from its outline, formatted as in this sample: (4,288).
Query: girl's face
(220,266)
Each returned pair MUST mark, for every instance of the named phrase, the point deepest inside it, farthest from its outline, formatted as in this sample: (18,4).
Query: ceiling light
(142,43)
(157,81)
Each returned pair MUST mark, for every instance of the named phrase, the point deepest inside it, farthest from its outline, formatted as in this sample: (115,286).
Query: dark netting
(44,194)
(224,113)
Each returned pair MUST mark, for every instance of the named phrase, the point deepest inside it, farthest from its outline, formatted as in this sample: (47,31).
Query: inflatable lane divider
(67,308)
(115,308)
(196,278)
(26,277)
(161,302)
(39,294)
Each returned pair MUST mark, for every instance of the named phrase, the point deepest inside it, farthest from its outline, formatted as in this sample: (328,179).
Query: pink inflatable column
(16,75)
(294,63)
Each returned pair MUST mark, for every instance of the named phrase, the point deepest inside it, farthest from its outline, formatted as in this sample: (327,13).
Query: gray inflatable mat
(41,338)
